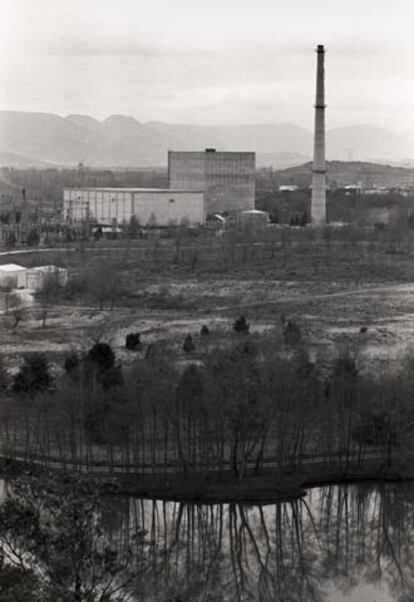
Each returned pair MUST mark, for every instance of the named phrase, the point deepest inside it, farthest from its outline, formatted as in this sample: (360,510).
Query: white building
(9,274)
(36,278)
(151,206)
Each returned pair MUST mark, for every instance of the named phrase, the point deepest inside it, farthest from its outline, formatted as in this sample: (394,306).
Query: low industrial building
(36,278)
(227,178)
(150,206)
(9,274)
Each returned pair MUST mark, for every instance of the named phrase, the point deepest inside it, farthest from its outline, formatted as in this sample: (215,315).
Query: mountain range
(46,139)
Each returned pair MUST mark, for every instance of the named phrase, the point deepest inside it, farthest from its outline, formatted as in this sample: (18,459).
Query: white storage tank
(254,218)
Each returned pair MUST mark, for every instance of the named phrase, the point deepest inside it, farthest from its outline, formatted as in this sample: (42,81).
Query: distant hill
(348,173)
(119,140)
(281,160)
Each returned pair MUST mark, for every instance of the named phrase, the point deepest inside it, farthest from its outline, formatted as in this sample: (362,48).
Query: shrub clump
(71,362)
(292,333)
(241,326)
(102,355)
(132,341)
(33,376)
(188,345)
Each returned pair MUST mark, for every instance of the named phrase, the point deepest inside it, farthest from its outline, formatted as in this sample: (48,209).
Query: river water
(339,543)
(350,543)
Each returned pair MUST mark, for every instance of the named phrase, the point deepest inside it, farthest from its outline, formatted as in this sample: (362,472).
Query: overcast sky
(210,61)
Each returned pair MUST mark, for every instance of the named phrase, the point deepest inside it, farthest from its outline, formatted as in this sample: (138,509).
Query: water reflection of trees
(367,535)
(294,551)
(337,536)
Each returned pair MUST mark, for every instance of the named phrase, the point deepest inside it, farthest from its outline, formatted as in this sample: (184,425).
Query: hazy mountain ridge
(120,140)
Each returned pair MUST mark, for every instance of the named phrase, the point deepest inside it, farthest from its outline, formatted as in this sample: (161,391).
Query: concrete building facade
(227,178)
(154,206)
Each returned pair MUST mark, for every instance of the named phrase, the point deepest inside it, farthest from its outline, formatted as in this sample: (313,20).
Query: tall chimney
(318,210)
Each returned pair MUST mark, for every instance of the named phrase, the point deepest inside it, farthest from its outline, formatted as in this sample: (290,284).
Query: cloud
(194,61)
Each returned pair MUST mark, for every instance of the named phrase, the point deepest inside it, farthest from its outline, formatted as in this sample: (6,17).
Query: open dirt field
(328,319)
(337,296)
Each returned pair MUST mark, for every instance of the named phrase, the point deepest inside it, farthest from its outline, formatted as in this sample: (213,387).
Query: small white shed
(10,273)
(36,278)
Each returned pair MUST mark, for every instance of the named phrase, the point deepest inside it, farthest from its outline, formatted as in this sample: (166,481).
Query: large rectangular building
(227,178)
(155,206)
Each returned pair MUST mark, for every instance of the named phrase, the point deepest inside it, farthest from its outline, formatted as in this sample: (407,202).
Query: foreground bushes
(54,545)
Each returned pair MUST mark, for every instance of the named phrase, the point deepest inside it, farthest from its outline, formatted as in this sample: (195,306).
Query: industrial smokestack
(318,209)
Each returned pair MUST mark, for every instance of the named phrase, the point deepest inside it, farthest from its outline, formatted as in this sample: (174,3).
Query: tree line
(235,409)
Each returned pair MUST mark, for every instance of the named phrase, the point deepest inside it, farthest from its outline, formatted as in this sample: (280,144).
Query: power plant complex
(200,184)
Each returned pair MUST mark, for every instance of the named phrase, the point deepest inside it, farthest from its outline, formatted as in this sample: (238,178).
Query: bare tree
(49,293)
(15,306)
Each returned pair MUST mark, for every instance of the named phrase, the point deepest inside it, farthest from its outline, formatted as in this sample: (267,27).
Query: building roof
(164,190)
(213,152)
(47,268)
(11,267)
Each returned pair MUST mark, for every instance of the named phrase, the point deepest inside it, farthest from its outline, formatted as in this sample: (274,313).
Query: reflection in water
(333,540)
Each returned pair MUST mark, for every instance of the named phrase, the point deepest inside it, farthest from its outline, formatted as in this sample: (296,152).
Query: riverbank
(269,486)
